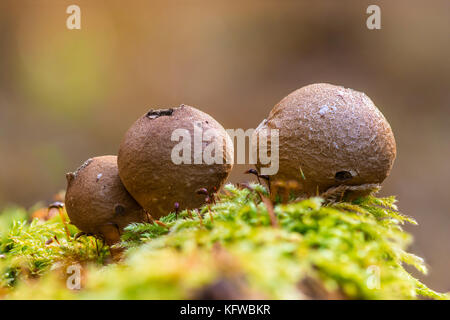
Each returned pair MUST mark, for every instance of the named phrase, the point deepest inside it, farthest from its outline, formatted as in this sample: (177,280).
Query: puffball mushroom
(98,203)
(149,159)
(330,136)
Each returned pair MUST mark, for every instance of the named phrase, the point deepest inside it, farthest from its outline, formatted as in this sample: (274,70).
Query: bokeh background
(67,95)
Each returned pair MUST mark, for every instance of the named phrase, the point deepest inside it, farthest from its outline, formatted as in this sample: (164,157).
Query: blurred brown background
(67,95)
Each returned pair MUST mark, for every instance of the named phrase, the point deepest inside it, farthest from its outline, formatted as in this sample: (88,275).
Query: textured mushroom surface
(148,171)
(329,136)
(97,202)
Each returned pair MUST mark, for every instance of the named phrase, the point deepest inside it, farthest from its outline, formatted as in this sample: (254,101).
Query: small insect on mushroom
(330,136)
(101,206)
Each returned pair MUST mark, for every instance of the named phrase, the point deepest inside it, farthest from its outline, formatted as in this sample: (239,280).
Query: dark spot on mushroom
(153,114)
(119,209)
(343,176)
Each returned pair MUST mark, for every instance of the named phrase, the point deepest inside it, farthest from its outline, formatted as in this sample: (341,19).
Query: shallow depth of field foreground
(246,246)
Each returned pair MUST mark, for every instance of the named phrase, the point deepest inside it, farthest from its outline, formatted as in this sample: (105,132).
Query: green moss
(30,250)
(343,250)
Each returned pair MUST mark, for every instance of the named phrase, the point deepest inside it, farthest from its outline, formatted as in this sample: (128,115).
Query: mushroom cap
(146,167)
(97,199)
(335,136)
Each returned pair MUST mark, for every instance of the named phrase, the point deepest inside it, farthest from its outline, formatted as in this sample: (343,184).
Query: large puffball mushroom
(97,202)
(165,158)
(330,136)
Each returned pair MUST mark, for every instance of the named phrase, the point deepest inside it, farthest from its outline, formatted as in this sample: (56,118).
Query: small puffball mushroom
(330,136)
(98,203)
(149,159)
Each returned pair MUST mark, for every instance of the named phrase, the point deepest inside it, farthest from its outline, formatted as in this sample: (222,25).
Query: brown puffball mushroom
(98,203)
(146,159)
(330,136)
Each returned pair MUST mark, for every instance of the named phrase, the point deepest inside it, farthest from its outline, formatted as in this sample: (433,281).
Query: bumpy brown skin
(98,203)
(336,136)
(148,172)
